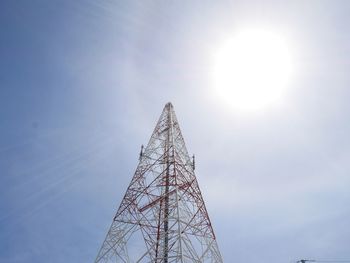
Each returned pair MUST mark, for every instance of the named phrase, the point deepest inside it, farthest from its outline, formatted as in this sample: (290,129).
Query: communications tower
(162,217)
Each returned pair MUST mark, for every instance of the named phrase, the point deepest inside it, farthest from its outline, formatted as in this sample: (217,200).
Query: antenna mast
(162,217)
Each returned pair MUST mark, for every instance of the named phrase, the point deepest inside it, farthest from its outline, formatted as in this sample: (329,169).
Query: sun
(252,70)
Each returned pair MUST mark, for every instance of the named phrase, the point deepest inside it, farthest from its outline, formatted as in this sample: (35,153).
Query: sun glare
(252,70)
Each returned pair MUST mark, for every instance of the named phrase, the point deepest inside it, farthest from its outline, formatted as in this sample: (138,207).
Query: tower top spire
(169,104)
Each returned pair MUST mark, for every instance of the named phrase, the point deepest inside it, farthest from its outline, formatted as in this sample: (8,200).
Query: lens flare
(252,70)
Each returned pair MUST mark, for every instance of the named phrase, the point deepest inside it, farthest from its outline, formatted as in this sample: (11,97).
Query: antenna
(141,153)
(193,162)
(330,261)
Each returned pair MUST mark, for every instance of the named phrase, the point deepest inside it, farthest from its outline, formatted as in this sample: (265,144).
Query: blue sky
(82,84)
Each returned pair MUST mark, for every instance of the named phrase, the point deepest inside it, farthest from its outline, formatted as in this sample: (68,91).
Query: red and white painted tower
(162,217)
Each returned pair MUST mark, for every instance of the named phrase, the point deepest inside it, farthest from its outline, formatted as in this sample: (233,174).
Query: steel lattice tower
(162,217)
